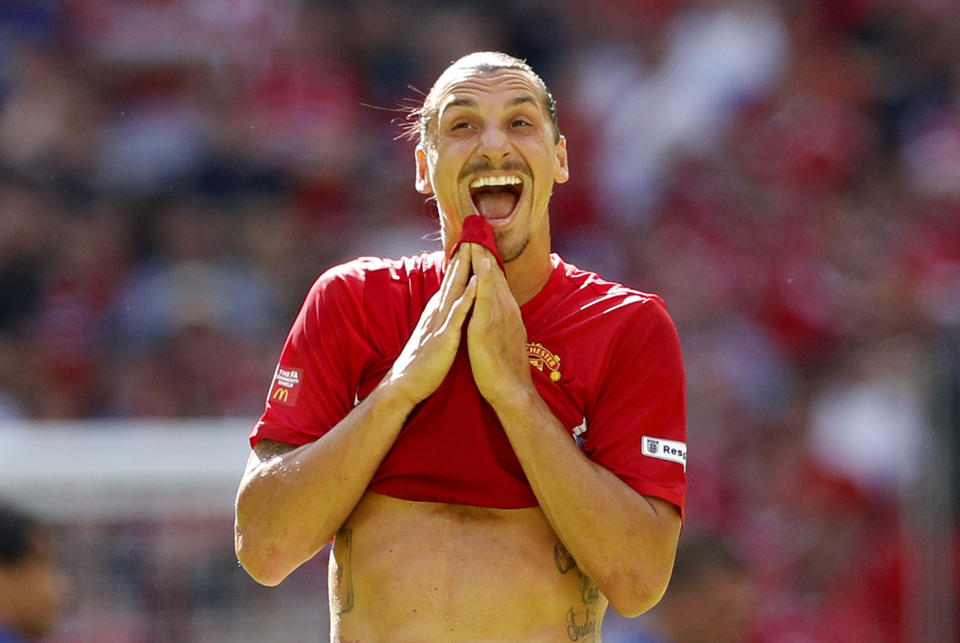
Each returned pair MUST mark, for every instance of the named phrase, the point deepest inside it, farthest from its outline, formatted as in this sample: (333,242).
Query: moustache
(478,167)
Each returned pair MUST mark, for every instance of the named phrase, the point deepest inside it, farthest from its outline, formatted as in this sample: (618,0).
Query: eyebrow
(520,100)
(469,102)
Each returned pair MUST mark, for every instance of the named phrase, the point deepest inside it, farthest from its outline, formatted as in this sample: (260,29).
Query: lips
(496,197)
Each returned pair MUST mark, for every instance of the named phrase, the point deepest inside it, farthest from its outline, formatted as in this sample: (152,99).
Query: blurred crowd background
(174,174)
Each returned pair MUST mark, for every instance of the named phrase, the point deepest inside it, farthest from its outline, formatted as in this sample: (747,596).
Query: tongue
(495,205)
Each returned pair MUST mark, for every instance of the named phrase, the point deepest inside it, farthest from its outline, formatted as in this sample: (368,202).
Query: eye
(460,125)
(520,122)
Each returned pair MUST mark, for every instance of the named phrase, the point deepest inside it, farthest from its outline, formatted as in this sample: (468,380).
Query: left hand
(496,336)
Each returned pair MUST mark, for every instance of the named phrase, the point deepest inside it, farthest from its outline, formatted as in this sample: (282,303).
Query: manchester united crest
(541,358)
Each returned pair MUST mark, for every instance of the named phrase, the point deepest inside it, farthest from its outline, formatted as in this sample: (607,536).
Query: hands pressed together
(496,337)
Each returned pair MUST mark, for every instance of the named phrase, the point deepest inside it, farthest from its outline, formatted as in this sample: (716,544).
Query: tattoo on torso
(580,624)
(582,627)
(563,559)
(589,592)
(344,589)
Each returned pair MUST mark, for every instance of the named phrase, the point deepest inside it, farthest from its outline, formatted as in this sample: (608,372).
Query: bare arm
(292,500)
(623,541)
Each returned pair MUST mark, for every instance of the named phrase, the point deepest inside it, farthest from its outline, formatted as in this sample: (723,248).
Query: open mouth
(496,197)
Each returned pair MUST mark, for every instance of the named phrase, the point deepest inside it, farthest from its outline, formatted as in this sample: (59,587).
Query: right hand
(424,361)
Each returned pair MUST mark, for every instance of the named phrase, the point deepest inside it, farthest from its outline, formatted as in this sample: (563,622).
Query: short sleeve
(316,379)
(637,426)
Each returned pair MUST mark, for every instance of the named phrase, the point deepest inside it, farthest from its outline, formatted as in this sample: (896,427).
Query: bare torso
(421,571)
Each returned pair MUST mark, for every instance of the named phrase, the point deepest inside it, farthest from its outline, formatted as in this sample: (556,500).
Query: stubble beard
(510,251)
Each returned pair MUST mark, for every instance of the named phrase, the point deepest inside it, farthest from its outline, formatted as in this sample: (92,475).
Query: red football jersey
(605,358)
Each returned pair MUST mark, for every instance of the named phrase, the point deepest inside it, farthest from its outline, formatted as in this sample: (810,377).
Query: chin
(510,251)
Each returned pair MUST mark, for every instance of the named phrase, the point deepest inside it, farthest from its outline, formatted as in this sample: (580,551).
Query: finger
(463,262)
(461,269)
(459,309)
(485,292)
(477,254)
(455,277)
(482,262)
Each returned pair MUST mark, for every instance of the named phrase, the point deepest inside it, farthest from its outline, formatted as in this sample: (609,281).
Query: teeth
(486,181)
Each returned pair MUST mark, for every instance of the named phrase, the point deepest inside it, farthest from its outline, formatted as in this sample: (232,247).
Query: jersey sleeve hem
(279,434)
(657,491)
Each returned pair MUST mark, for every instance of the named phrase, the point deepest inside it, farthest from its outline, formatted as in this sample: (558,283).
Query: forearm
(622,540)
(290,505)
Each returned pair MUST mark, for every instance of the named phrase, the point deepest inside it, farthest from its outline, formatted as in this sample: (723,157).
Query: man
(32,585)
(497,450)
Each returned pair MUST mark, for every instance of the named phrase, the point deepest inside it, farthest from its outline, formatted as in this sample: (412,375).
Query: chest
(566,349)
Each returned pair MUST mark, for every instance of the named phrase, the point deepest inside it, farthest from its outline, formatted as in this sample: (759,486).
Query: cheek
(542,191)
(445,175)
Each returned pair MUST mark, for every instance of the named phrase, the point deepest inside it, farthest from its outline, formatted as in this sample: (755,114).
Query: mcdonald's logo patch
(541,358)
(286,385)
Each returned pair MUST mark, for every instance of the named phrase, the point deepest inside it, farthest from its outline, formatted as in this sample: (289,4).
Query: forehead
(472,87)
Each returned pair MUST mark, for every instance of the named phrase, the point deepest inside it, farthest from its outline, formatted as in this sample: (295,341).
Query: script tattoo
(341,547)
(577,630)
(563,559)
(589,592)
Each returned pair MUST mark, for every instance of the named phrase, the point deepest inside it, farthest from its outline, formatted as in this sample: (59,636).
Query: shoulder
(615,302)
(360,274)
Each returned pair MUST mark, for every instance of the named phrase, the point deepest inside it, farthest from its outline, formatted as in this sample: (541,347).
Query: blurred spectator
(867,421)
(33,587)
(700,67)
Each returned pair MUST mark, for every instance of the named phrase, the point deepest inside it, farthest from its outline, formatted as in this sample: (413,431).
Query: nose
(494,144)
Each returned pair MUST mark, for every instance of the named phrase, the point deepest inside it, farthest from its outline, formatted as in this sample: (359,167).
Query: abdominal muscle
(423,571)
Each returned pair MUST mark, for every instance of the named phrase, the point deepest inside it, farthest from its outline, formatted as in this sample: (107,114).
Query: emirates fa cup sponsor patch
(286,385)
(665,450)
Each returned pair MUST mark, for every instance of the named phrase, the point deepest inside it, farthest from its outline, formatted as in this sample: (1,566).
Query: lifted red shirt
(605,358)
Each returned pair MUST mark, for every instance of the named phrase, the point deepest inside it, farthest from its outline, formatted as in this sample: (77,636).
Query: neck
(529,273)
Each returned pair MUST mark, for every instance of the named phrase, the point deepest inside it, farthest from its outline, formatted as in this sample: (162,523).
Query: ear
(562,171)
(423,172)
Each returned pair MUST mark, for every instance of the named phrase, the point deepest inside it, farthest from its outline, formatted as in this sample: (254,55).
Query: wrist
(392,394)
(515,400)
